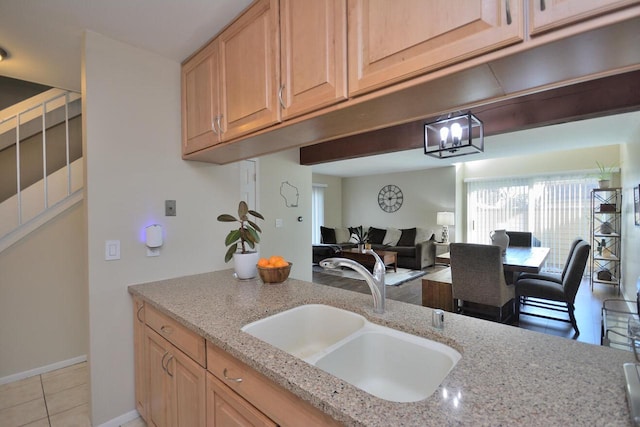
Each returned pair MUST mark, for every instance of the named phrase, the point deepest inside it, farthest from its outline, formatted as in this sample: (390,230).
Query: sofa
(415,246)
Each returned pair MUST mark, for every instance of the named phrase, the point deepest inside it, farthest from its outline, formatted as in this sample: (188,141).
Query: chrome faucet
(375,280)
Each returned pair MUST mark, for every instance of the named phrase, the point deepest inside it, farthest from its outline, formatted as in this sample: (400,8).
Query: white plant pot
(245,264)
(604,183)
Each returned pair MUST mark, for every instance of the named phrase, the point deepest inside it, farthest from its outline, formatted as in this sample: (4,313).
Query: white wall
(630,160)
(425,193)
(132,152)
(43,296)
(332,198)
(293,239)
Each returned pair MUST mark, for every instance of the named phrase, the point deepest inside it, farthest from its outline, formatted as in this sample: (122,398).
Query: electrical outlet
(169,208)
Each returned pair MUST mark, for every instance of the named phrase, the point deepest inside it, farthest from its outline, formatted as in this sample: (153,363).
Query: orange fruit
(263,262)
(280,263)
(274,259)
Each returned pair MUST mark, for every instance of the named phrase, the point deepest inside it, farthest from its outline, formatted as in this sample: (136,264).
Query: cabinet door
(549,14)
(200,103)
(314,63)
(392,40)
(249,71)
(228,409)
(139,357)
(187,390)
(158,385)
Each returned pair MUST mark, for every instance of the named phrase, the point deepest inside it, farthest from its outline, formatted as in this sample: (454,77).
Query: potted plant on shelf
(246,259)
(604,175)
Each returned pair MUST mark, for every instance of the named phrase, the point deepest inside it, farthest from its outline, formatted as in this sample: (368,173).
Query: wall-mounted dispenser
(153,239)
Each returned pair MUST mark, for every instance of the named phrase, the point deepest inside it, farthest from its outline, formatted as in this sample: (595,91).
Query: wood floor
(588,305)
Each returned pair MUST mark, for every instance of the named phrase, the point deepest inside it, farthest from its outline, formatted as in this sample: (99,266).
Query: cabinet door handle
(507,8)
(213,125)
(280,97)
(138,313)
(166,329)
(543,6)
(164,368)
(169,359)
(218,119)
(236,380)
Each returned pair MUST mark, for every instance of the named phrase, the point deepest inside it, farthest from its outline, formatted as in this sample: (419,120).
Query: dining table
(517,259)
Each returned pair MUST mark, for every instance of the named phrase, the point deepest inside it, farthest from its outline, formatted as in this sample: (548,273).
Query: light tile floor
(57,398)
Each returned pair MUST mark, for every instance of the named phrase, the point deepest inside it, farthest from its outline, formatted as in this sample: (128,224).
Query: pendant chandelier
(457,134)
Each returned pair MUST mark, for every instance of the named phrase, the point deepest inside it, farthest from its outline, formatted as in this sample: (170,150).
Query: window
(554,208)
(317,211)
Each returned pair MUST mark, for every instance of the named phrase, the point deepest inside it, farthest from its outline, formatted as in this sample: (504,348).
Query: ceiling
(44,41)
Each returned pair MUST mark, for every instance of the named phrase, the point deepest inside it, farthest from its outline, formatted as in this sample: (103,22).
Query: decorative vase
(605,228)
(360,247)
(500,238)
(245,264)
(604,183)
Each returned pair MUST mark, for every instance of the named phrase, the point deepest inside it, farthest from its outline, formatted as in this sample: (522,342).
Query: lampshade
(455,135)
(445,218)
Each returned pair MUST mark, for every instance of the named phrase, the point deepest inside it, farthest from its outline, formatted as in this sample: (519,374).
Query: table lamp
(445,219)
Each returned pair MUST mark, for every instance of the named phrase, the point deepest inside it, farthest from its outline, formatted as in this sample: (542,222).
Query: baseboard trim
(42,370)
(122,419)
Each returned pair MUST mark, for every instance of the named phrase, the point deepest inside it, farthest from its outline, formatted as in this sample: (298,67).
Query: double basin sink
(382,361)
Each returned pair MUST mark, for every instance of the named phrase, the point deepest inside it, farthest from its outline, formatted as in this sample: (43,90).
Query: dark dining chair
(477,277)
(554,277)
(520,238)
(551,295)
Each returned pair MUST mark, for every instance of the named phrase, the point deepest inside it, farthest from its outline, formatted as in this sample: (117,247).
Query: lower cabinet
(140,356)
(176,385)
(226,408)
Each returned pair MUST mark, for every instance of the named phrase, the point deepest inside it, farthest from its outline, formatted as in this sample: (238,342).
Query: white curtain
(317,211)
(554,208)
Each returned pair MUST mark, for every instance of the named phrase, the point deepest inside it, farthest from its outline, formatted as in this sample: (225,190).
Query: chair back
(477,274)
(571,249)
(575,270)
(520,238)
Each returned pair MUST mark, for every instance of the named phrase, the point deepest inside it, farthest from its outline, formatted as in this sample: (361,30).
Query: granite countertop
(507,375)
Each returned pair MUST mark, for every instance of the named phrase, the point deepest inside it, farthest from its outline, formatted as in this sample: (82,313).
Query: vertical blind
(554,208)
(317,212)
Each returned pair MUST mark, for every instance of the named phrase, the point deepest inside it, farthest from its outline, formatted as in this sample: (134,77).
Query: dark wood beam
(595,98)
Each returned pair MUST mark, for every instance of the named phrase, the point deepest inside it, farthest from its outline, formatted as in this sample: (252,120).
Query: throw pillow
(328,235)
(408,237)
(422,235)
(376,235)
(392,236)
(354,238)
(342,235)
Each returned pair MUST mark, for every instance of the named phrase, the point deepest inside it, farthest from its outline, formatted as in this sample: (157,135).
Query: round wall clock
(390,198)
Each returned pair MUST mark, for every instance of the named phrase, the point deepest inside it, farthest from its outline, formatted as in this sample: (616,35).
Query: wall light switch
(169,208)
(112,250)
(279,223)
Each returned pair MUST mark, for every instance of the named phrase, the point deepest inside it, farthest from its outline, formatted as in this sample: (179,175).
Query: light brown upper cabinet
(390,40)
(249,71)
(550,14)
(313,49)
(200,103)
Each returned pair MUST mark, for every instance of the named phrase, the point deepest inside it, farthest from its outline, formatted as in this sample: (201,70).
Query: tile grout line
(44,397)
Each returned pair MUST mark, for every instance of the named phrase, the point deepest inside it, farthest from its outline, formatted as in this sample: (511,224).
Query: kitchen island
(507,375)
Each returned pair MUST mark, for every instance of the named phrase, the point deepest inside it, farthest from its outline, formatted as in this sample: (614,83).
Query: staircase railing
(23,126)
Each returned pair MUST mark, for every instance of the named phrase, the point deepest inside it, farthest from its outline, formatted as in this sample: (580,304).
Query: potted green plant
(604,175)
(360,236)
(245,259)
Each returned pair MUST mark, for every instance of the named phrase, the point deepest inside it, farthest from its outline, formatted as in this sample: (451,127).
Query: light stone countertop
(507,376)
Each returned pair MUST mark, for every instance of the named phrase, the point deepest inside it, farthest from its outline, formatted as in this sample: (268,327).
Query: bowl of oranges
(274,269)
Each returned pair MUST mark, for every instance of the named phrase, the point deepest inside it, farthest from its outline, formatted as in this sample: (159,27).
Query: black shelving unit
(606,234)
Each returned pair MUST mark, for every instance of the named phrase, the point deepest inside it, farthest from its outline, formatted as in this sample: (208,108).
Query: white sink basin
(306,330)
(384,362)
(390,364)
